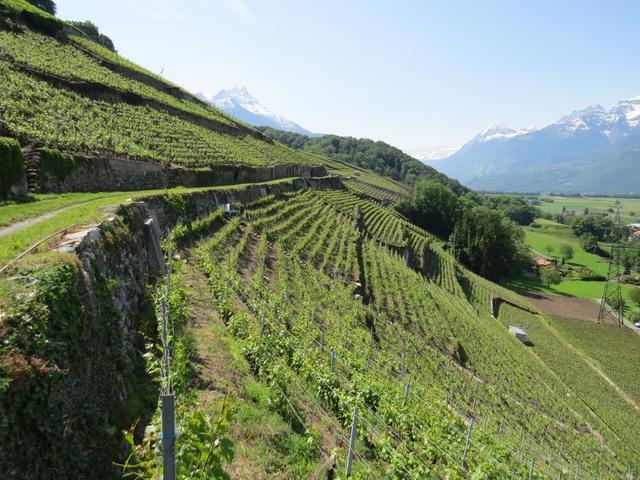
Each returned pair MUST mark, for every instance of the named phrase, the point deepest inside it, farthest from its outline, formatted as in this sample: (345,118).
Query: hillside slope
(379,157)
(62,90)
(274,322)
(420,320)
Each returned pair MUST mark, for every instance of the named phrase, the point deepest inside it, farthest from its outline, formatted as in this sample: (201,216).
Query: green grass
(39,204)
(555,235)
(84,208)
(629,207)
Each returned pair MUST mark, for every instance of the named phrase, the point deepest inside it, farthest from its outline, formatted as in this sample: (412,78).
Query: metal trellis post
(468,443)
(352,441)
(168,437)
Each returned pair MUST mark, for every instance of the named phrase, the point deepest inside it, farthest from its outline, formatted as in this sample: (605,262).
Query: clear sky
(412,73)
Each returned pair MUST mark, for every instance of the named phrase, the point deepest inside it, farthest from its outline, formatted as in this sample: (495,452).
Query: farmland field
(629,207)
(554,235)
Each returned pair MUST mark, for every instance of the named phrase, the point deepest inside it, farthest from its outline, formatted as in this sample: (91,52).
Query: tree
(632,256)
(588,242)
(595,225)
(634,296)
(549,249)
(91,30)
(435,207)
(488,243)
(380,157)
(566,251)
(549,276)
(47,5)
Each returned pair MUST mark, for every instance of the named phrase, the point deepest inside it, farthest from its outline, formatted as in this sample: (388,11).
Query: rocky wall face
(107,174)
(116,174)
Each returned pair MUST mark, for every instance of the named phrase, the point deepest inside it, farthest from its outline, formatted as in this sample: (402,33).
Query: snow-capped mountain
(574,154)
(432,154)
(239,103)
(499,132)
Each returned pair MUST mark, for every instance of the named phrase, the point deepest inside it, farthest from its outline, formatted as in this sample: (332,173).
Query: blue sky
(412,73)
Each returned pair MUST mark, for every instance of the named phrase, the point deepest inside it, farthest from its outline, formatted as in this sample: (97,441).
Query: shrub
(11,164)
(634,296)
(54,162)
(566,251)
(550,276)
(615,302)
(587,274)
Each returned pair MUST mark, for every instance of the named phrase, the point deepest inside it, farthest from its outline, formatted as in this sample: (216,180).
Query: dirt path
(223,372)
(592,363)
(22,224)
(16,227)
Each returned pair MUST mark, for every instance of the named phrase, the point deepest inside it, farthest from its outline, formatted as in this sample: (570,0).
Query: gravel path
(16,227)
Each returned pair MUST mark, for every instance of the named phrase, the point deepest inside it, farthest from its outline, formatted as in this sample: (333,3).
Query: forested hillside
(380,157)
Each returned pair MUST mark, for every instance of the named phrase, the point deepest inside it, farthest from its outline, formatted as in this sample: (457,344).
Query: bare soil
(566,307)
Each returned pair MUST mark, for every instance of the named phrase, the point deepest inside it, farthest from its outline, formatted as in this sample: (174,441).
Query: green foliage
(46,5)
(63,373)
(185,132)
(550,276)
(616,302)
(417,316)
(202,446)
(512,207)
(91,30)
(632,256)
(597,226)
(488,243)
(11,164)
(56,163)
(434,207)
(634,296)
(379,157)
(588,242)
(566,252)
(177,204)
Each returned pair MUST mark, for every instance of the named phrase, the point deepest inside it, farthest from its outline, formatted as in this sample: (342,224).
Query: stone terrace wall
(132,262)
(88,385)
(117,174)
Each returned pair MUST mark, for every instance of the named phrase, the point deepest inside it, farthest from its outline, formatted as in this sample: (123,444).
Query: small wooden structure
(519,333)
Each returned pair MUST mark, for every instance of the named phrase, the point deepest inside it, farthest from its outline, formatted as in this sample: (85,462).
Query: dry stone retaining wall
(118,174)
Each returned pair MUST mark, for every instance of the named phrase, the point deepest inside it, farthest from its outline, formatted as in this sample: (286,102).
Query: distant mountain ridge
(593,150)
(239,103)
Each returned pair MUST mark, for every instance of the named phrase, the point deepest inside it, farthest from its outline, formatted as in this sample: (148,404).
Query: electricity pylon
(611,303)
(612,288)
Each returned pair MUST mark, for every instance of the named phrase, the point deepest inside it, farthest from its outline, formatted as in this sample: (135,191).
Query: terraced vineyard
(306,304)
(293,262)
(62,90)
(376,192)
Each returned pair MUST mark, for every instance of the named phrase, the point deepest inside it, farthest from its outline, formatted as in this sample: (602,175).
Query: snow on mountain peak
(496,131)
(241,104)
